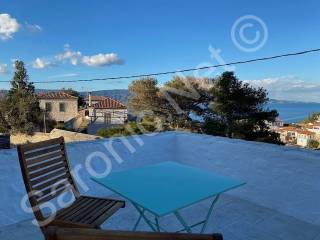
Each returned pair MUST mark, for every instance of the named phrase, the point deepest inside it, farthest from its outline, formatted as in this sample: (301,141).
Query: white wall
(71,108)
(282,178)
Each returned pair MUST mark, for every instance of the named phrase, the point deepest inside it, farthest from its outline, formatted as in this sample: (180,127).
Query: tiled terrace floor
(236,218)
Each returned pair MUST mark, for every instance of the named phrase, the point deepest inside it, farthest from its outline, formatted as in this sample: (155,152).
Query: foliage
(238,110)
(22,112)
(312,144)
(312,117)
(74,93)
(130,128)
(50,124)
(4,126)
(228,106)
(189,96)
(173,103)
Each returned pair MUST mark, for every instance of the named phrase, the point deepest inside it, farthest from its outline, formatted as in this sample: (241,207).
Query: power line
(183,70)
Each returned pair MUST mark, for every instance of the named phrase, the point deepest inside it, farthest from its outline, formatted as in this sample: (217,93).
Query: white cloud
(75,57)
(32,27)
(69,55)
(101,59)
(8,26)
(3,68)
(289,88)
(41,63)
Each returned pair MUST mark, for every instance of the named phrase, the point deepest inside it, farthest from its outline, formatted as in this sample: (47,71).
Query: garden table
(166,188)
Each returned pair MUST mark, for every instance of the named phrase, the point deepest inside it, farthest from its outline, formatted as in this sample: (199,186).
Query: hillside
(121,95)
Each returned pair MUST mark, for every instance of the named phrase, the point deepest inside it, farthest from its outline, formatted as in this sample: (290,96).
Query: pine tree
(21,103)
(239,110)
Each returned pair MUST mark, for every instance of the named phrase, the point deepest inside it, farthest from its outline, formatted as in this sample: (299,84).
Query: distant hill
(121,95)
(276,101)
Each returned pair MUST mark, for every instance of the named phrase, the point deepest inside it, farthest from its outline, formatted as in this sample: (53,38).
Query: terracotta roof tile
(56,95)
(109,103)
(289,128)
(305,132)
(96,98)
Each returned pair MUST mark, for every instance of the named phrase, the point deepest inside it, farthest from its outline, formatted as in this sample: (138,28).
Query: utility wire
(183,70)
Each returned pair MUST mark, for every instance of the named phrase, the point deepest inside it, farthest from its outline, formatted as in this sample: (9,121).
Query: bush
(130,128)
(60,125)
(214,127)
(313,144)
(50,124)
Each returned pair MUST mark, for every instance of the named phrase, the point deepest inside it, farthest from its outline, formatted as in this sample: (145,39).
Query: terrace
(279,201)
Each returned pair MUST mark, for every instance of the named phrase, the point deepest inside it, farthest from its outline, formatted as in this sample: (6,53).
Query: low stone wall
(55,133)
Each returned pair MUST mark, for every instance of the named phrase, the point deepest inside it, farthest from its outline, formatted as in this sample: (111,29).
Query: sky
(78,39)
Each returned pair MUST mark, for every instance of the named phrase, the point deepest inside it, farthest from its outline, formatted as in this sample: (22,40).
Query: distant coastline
(293,111)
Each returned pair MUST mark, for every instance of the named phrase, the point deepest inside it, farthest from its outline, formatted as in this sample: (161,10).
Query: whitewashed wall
(281,178)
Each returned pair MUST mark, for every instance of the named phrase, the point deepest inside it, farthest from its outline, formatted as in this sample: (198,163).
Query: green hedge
(126,130)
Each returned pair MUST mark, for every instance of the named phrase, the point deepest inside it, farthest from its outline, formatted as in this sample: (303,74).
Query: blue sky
(65,40)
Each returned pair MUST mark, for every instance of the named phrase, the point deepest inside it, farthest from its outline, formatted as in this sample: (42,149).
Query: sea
(293,112)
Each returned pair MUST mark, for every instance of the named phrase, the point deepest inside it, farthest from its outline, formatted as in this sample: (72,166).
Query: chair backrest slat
(50,194)
(45,171)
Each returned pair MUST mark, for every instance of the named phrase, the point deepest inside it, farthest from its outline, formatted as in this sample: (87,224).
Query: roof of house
(96,98)
(109,103)
(305,132)
(289,128)
(56,95)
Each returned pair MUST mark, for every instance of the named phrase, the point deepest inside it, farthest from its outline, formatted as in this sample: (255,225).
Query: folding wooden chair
(46,174)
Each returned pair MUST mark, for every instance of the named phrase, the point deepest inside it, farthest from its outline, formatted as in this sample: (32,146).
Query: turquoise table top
(167,187)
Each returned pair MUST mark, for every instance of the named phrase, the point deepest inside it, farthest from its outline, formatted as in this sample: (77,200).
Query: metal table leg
(183,222)
(209,214)
(144,217)
(204,222)
(155,226)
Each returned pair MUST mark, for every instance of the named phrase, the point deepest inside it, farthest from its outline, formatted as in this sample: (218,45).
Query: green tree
(146,97)
(187,96)
(239,110)
(22,107)
(312,144)
(4,126)
(173,102)
(312,117)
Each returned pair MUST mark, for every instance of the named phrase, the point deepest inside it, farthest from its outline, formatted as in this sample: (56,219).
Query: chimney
(89,98)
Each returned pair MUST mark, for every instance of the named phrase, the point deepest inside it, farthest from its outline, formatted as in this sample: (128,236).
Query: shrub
(313,144)
(130,128)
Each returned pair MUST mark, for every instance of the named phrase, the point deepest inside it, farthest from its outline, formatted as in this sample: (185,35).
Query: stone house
(59,106)
(107,111)
(91,100)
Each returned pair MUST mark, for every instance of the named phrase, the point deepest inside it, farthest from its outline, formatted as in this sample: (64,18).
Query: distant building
(105,110)
(93,99)
(288,134)
(59,106)
(304,136)
(276,124)
(313,127)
